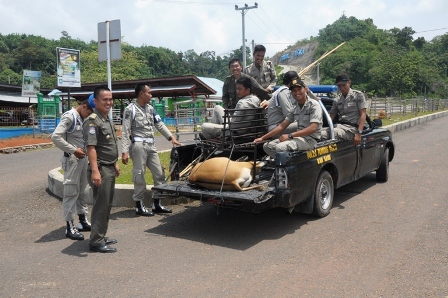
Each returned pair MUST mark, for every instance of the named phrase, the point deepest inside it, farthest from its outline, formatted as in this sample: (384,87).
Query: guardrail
(393,106)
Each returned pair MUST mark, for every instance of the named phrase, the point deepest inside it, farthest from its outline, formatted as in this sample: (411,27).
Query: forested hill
(381,62)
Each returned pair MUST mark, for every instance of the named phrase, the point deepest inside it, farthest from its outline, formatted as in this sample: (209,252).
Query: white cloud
(214,26)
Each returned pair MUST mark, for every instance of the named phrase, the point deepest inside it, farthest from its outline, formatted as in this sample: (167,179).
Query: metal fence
(18,116)
(414,106)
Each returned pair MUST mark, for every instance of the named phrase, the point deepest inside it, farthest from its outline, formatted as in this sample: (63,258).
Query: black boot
(140,209)
(72,232)
(158,208)
(84,224)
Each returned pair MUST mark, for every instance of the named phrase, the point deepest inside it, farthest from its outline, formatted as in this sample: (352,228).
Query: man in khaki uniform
(247,101)
(262,71)
(229,96)
(308,115)
(351,106)
(68,136)
(102,151)
(140,120)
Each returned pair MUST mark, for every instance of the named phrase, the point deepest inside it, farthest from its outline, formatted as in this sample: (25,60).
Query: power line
(431,30)
(274,34)
(287,38)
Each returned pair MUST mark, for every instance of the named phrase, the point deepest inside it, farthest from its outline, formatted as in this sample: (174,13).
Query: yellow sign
(321,151)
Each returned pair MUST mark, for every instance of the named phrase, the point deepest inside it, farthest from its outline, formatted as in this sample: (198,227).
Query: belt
(144,140)
(66,154)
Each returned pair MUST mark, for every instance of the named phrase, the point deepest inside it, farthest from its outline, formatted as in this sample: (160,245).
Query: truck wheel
(382,173)
(323,195)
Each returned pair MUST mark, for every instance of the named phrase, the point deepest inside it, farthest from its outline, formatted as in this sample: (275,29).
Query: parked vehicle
(302,181)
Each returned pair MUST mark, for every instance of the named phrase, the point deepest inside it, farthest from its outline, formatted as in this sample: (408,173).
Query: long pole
(244,9)
(109,73)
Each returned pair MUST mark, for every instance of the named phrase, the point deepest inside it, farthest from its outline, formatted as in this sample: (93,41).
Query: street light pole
(244,9)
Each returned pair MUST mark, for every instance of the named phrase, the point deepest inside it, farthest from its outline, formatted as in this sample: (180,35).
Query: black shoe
(72,233)
(160,209)
(110,241)
(84,224)
(102,248)
(142,210)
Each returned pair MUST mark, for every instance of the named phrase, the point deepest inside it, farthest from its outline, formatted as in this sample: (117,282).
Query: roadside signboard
(109,33)
(31,83)
(68,67)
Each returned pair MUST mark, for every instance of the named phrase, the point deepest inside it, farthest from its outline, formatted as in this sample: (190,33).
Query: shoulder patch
(92,130)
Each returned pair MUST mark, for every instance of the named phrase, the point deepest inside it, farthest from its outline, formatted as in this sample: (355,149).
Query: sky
(215,25)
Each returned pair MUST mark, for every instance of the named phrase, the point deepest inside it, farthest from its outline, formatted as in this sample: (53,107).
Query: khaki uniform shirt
(141,122)
(99,131)
(68,135)
(229,97)
(309,113)
(247,102)
(279,106)
(265,75)
(349,106)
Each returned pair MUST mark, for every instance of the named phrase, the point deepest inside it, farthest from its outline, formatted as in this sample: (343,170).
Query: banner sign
(31,83)
(68,66)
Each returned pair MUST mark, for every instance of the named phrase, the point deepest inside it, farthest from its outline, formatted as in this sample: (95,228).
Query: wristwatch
(360,132)
(290,136)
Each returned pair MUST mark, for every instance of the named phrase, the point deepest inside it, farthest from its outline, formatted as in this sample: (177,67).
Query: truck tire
(382,173)
(323,195)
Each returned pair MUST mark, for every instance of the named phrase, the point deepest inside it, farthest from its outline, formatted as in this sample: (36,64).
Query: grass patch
(126,170)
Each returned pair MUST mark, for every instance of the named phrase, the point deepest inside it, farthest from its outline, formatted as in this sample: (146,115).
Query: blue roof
(214,84)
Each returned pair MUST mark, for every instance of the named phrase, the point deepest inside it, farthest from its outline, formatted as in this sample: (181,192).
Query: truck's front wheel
(323,195)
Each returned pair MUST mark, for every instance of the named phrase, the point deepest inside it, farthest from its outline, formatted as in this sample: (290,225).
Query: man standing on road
(229,96)
(262,71)
(68,136)
(308,115)
(102,151)
(351,106)
(140,120)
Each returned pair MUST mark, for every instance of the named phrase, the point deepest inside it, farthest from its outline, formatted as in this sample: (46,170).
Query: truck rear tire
(323,195)
(382,173)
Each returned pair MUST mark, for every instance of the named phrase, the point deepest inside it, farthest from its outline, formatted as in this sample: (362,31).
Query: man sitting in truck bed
(246,101)
(351,105)
(307,114)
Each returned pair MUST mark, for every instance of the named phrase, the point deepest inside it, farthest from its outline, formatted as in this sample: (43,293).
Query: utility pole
(244,9)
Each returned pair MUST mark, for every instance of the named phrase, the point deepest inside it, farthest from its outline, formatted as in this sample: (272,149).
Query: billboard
(68,67)
(31,83)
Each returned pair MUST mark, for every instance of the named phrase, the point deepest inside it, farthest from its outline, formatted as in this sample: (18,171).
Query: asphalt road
(380,239)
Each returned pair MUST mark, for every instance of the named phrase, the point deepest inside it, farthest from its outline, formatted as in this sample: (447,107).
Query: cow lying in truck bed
(220,172)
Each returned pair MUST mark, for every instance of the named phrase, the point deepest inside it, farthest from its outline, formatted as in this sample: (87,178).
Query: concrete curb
(122,196)
(123,192)
(9,150)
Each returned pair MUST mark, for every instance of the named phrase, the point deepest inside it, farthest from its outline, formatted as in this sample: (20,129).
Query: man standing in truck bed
(262,71)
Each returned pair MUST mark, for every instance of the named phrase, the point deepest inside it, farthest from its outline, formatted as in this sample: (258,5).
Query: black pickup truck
(301,181)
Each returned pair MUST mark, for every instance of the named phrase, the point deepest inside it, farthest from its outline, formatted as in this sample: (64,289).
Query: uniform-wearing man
(247,101)
(262,71)
(140,120)
(351,106)
(229,96)
(307,114)
(102,152)
(68,136)
(281,104)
